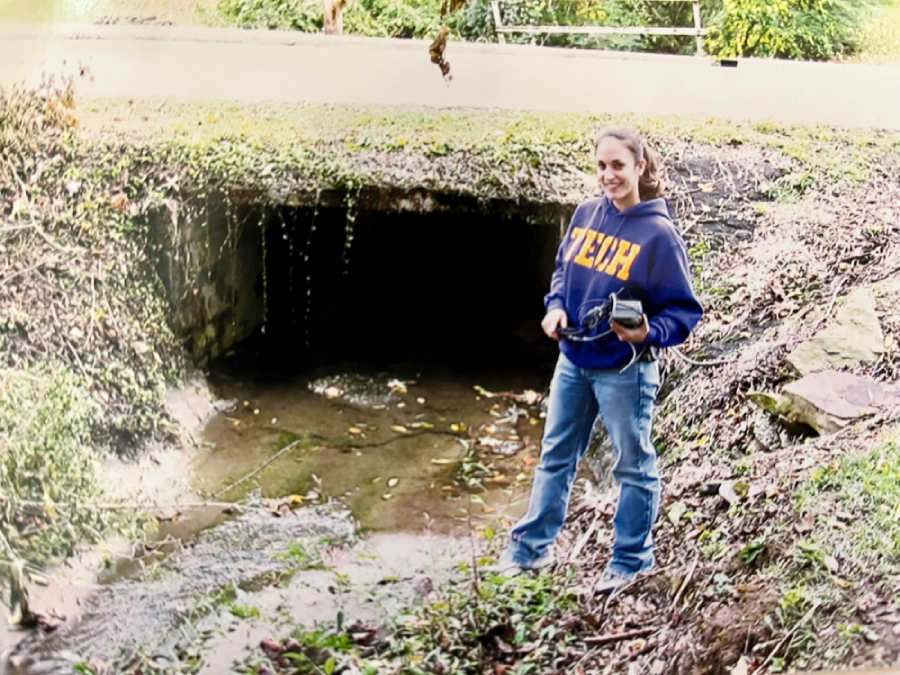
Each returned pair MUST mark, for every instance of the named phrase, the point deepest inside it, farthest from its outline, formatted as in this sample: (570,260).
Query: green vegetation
(808,29)
(494,622)
(47,458)
(859,30)
(227,598)
(866,487)
(880,41)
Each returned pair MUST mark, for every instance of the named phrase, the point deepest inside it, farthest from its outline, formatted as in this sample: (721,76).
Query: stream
(374,484)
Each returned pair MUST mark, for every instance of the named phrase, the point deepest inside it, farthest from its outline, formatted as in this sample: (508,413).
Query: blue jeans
(625,403)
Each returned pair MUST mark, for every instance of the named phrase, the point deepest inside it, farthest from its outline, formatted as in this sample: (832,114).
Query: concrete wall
(210,261)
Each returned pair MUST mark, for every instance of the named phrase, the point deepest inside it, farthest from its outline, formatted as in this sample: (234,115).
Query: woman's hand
(555,318)
(638,334)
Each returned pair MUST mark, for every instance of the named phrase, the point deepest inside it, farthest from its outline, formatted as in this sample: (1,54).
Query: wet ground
(438,450)
(373,489)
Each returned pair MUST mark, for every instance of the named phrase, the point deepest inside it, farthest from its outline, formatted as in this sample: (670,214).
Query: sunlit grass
(881,40)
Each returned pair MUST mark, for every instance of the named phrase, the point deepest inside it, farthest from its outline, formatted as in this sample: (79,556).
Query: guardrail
(697,31)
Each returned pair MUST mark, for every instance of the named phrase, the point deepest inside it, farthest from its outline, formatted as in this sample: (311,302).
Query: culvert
(377,277)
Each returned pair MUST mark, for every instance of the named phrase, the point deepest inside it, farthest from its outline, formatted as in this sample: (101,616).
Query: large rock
(829,400)
(854,337)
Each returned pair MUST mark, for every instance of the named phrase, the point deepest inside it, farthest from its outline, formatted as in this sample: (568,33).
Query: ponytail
(649,185)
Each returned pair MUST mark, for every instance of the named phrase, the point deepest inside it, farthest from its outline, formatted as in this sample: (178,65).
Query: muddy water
(149,615)
(396,455)
(421,463)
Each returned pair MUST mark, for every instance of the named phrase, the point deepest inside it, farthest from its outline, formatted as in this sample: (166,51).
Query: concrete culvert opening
(289,289)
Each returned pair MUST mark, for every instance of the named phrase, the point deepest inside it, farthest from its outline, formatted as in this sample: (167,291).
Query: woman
(625,244)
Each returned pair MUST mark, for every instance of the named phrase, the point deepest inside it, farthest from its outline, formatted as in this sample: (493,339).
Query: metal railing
(697,31)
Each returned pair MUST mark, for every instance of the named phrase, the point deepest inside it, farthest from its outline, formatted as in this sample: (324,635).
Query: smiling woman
(621,245)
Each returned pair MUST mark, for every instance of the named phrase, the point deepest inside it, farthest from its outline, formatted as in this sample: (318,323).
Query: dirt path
(251,66)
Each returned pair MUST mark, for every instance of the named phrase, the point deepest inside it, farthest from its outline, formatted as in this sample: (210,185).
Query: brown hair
(649,184)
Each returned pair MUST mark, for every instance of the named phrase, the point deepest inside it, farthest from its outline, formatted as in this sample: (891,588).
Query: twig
(37,265)
(17,228)
(617,637)
(694,362)
(65,339)
(148,506)
(686,581)
(576,551)
(262,466)
(837,289)
(790,635)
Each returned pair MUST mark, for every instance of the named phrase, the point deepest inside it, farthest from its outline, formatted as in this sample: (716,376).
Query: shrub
(801,29)
(377,18)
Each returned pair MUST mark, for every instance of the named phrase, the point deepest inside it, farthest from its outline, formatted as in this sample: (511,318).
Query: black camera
(627,313)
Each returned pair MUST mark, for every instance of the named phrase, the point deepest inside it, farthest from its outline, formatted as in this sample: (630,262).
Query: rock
(767,431)
(829,400)
(854,337)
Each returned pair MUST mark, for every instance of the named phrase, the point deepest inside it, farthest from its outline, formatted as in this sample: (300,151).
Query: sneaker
(612,581)
(510,568)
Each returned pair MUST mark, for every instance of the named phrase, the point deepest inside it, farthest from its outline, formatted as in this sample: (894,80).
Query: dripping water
(307,249)
(289,238)
(230,226)
(265,280)
(348,232)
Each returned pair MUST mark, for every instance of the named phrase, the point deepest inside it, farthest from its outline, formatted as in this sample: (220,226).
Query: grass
(859,523)
(881,40)
(500,140)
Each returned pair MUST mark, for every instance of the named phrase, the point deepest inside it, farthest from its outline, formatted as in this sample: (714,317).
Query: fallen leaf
(727,492)
(399,429)
(831,563)
(676,511)
(805,525)
(442,460)
(740,668)
(392,482)
(397,386)
(870,635)
(354,430)
(386,495)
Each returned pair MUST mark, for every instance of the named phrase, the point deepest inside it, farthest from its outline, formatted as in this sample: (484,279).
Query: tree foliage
(796,29)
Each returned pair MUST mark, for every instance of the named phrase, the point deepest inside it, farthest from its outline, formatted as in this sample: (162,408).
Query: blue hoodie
(639,249)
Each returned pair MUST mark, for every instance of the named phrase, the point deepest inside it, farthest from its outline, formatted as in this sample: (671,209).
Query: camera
(627,313)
